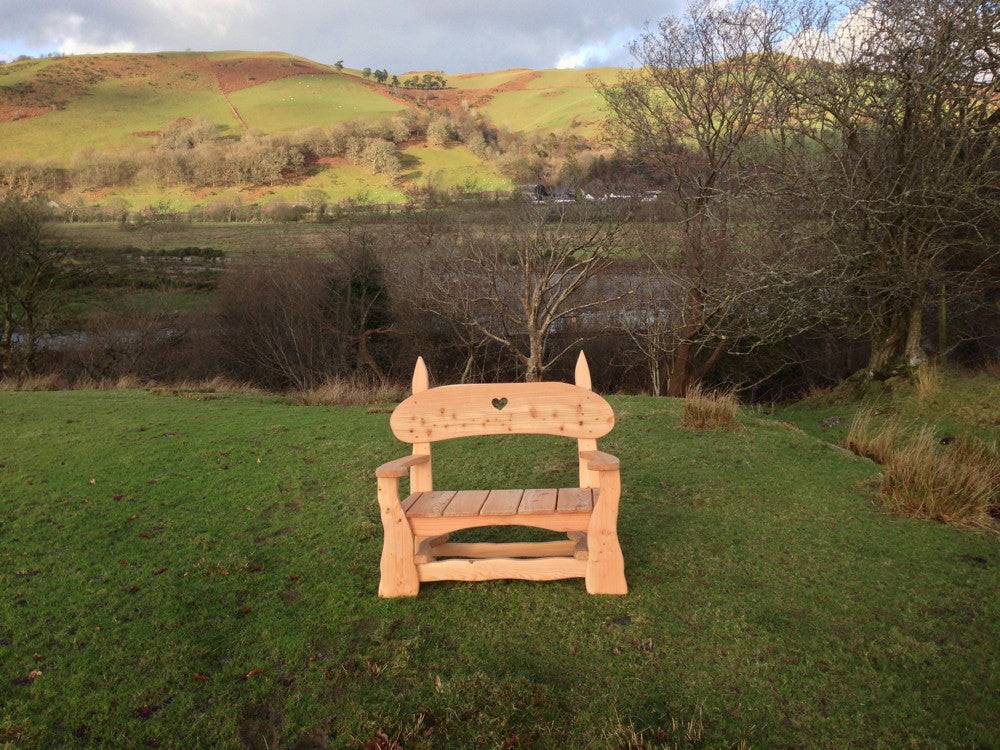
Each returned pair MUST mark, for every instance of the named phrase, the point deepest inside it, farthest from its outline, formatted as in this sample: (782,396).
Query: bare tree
(699,109)
(900,104)
(520,281)
(28,270)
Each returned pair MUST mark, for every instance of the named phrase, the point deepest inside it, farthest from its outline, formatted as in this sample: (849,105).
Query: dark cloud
(441,34)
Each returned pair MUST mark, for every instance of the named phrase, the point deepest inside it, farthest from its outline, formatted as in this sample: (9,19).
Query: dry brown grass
(927,381)
(215,385)
(50,382)
(992,368)
(335,392)
(710,410)
(871,438)
(955,484)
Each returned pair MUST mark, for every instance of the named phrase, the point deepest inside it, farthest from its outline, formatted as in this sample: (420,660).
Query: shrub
(955,484)
(710,410)
(94,169)
(381,157)
(440,132)
(875,441)
(184,133)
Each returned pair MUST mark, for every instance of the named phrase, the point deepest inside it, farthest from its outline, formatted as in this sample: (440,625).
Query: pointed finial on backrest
(582,372)
(420,379)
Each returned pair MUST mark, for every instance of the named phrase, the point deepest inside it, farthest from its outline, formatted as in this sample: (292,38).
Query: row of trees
(415,81)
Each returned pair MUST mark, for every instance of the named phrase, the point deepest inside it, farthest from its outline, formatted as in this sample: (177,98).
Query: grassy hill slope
(52,109)
(203,570)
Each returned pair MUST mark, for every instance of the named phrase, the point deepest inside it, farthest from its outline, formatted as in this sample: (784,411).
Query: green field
(452,167)
(120,101)
(162,235)
(485,80)
(557,100)
(293,103)
(108,118)
(202,571)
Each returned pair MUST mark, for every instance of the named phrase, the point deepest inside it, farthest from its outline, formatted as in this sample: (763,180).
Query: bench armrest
(599,461)
(401,466)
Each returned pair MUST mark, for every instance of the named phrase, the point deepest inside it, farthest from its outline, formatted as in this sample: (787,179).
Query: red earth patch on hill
(450,99)
(242,73)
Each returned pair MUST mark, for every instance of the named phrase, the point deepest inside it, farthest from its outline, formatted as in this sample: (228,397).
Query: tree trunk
(679,376)
(534,369)
(942,325)
(886,344)
(898,342)
(914,351)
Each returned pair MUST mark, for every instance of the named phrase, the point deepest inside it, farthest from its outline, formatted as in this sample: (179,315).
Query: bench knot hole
(499,403)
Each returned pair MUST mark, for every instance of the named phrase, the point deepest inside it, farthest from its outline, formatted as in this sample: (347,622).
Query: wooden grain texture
(538,501)
(466,503)
(400,467)
(410,499)
(574,500)
(421,379)
(539,569)
(397,567)
(582,379)
(605,564)
(454,411)
(421,474)
(599,461)
(434,525)
(502,502)
(588,478)
(506,549)
(430,504)
(581,375)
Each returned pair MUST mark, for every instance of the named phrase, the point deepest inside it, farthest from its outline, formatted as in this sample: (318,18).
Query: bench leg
(398,569)
(605,563)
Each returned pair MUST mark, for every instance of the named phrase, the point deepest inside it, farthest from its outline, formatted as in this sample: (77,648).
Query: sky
(399,35)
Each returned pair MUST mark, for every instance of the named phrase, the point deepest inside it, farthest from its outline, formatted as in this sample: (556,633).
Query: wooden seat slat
(538,501)
(430,504)
(466,503)
(501,503)
(575,500)
(409,500)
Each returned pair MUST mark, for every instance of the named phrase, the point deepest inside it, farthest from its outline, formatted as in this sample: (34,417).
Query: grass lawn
(967,403)
(202,571)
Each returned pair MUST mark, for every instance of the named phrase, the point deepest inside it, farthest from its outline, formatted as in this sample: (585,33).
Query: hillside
(52,109)
(201,569)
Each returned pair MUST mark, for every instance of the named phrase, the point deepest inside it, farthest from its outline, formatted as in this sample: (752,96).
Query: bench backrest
(454,411)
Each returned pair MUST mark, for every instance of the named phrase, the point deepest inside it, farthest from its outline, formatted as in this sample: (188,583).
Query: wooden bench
(416,547)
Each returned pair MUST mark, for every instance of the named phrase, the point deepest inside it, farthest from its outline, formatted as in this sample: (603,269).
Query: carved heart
(499,403)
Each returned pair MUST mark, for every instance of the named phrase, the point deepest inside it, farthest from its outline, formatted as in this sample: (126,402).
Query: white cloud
(839,44)
(66,33)
(70,46)
(598,53)
(400,36)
